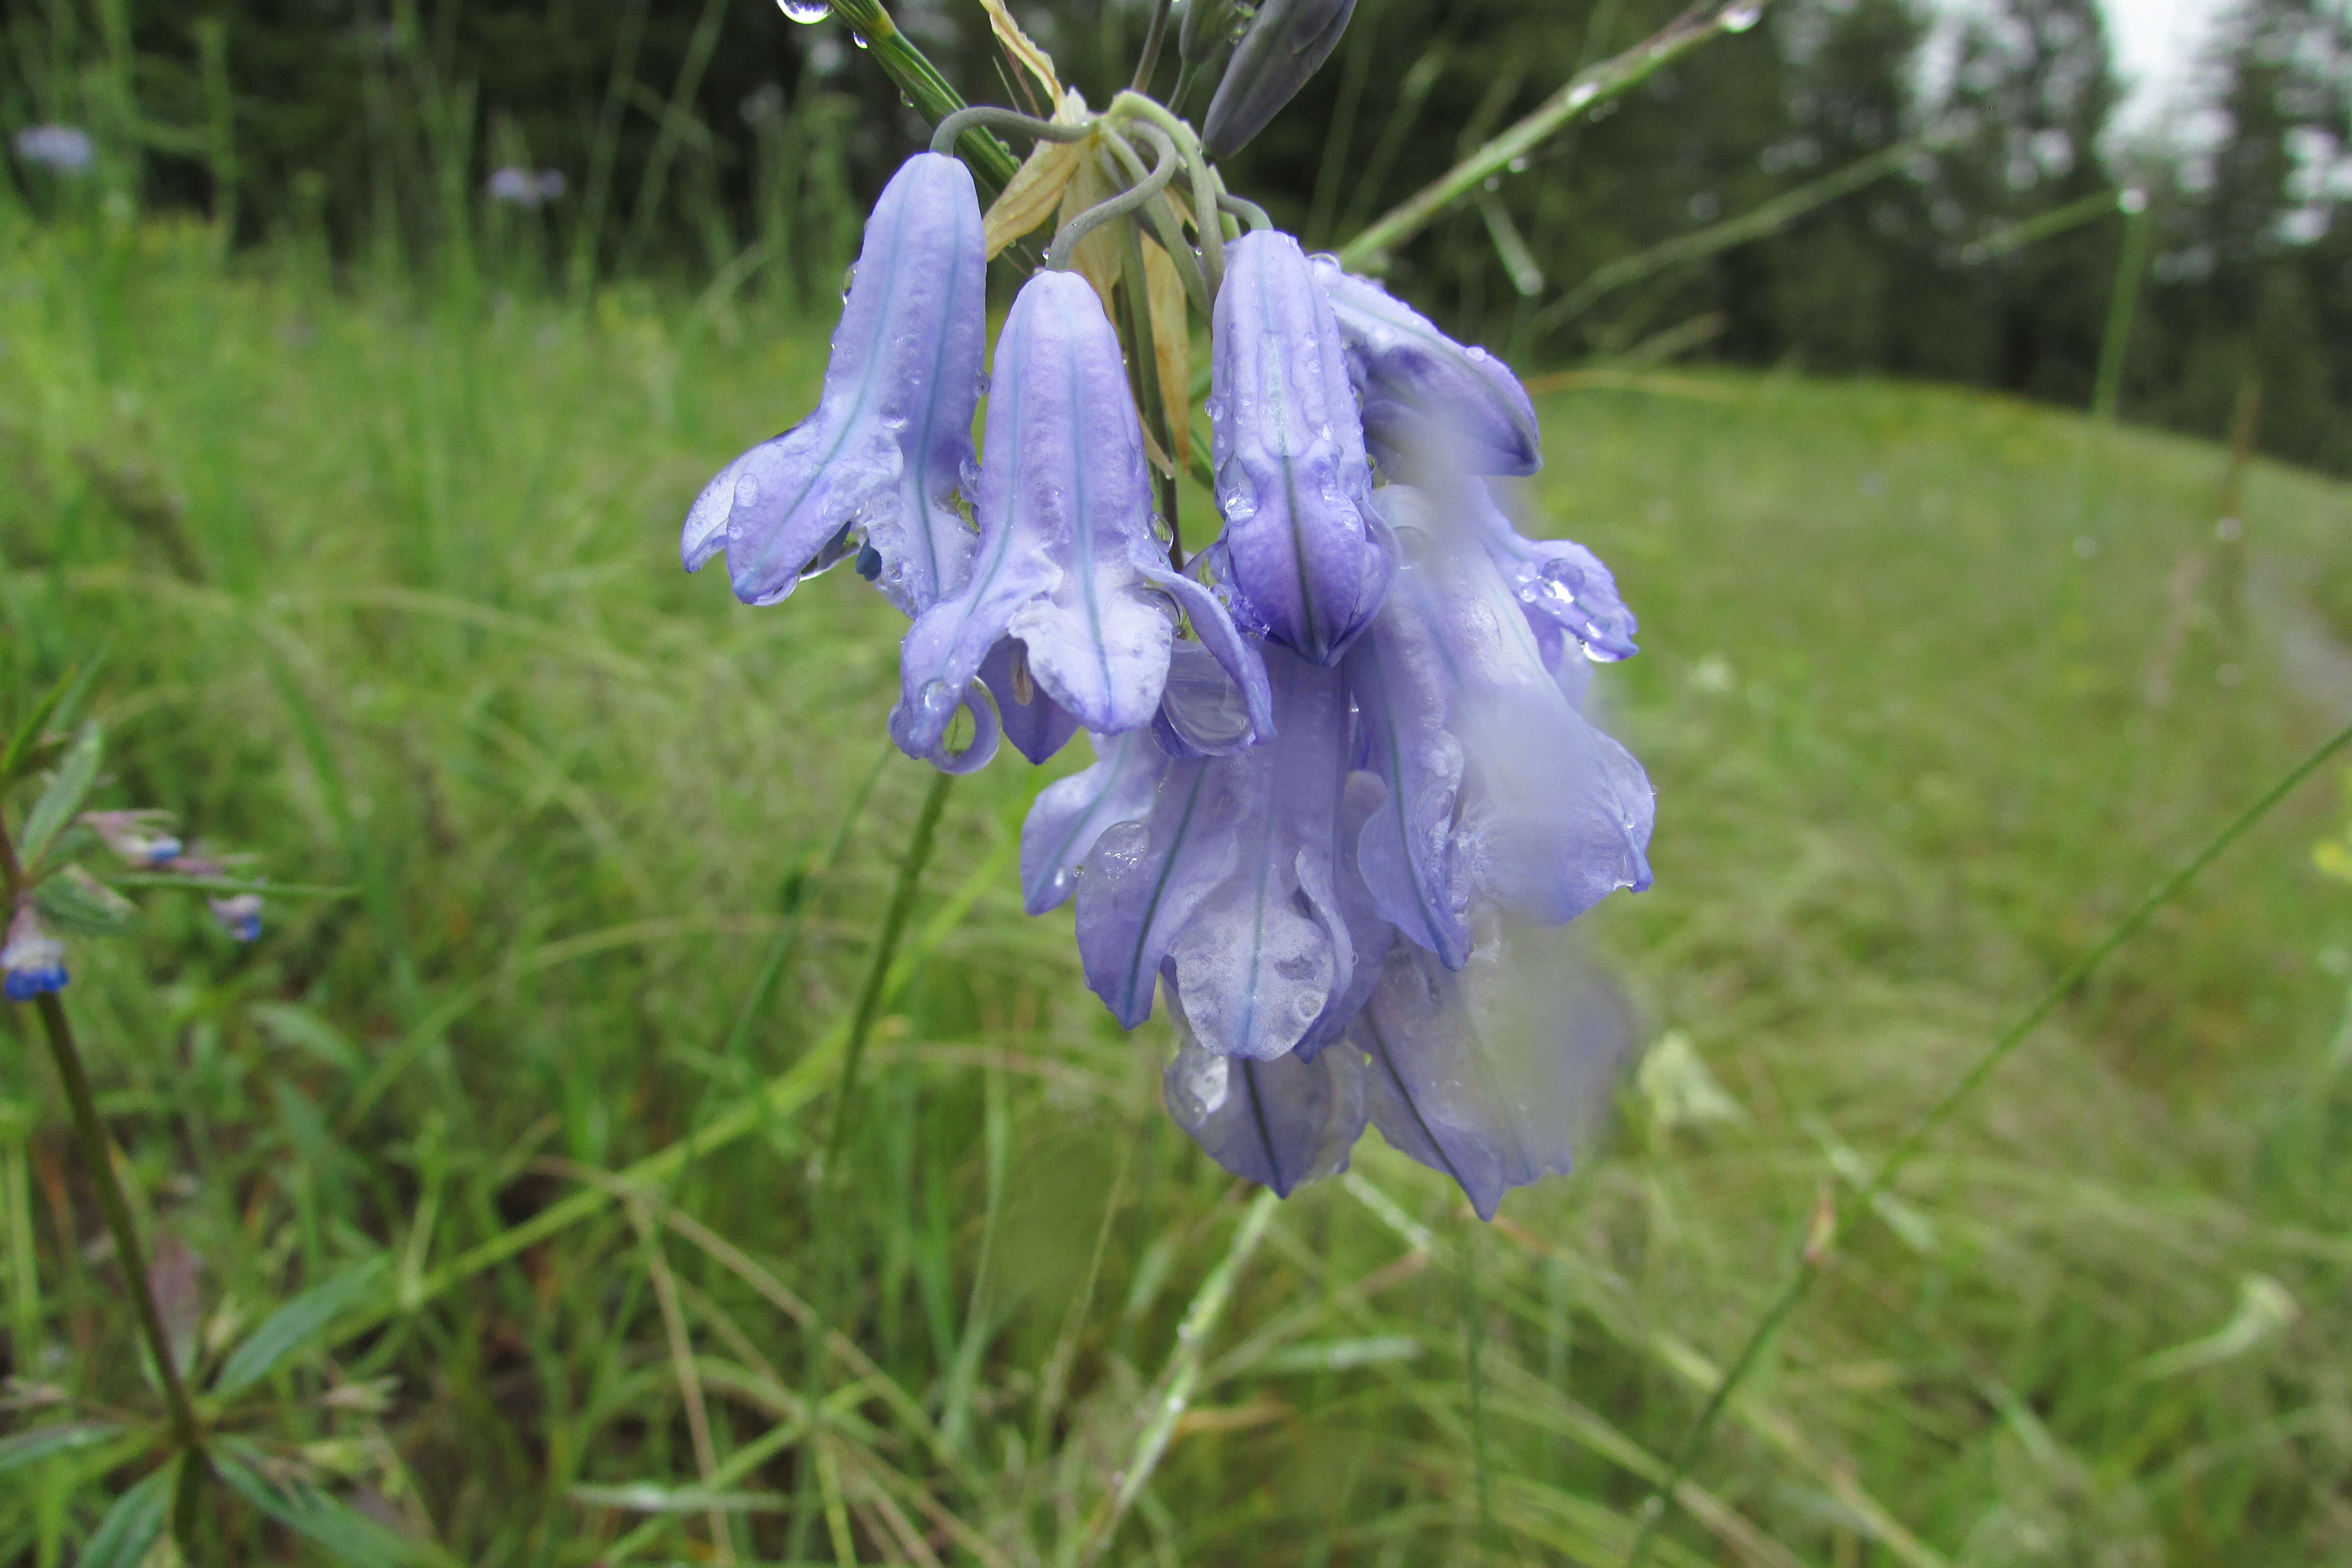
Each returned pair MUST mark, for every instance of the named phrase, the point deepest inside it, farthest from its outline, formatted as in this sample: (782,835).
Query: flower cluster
(1338,754)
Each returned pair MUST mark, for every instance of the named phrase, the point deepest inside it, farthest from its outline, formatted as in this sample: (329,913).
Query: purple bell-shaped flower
(1429,403)
(1303,557)
(1067,568)
(877,469)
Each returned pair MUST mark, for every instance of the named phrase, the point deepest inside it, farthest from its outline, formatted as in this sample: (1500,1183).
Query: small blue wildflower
(1304,558)
(32,960)
(526,187)
(65,148)
(135,837)
(880,465)
(239,914)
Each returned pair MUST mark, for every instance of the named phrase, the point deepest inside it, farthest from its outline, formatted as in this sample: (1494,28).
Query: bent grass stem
(1813,1248)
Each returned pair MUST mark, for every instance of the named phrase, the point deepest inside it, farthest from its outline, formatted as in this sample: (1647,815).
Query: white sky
(2156,44)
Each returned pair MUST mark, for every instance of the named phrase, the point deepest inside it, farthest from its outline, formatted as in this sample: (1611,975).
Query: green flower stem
(1206,187)
(1165,224)
(948,131)
(1143,366)
(1152,38)
(877,968)
(89,1134)
(1370,249)
(2121,304)
(1172,1395)
(1058,255)
(1812,1250)
(925,88)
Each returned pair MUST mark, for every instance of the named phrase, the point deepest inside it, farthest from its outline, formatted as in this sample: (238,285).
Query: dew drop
(746,490)
(806,12)
(1518,165)
(1582,94)
(859,39)
(1740,18)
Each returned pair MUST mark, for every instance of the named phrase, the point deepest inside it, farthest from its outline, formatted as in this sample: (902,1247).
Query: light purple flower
(1279,1123)
(1489,1075)
(1427,400)
(239,914)
(1304,558)
(1070,814)
(135,837)
(1563,587)
(882,460)
(65,148)
(32,961)
(526,187)
(1229,887)
(1067,565)
(1500,791)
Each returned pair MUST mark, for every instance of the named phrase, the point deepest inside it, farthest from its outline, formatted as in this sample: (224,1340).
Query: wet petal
(1071,813)
(1370,933)
(1491,1074)
(1426,398)
(1066,561)
(1302,558)
(1557,581)
(1035,724)
(1551,815)
(883,457)
(1407,852)
(1278,1124)
(1231,884)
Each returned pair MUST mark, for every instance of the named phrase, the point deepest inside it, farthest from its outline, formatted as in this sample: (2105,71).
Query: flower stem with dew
(1585,90)
(1058,255)
(1173,1392)
(1806,1267)
(1205,185)
(921,81)
(1165,224)
(90,1134)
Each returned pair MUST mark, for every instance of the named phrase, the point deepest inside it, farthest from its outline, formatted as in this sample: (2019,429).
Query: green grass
(389,595)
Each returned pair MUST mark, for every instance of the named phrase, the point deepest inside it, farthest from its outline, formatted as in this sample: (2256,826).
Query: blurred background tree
(697,136)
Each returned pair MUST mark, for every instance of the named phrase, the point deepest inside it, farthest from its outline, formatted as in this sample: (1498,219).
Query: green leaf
(131,1527)
(343,1532)
(75,772)
(306,1031)
(40,1443)
(75,900)
(295,1325)
(26,741)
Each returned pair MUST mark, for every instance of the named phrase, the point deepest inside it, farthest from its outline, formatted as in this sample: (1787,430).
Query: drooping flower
(1067,565)
(1427,400)
(1229,887)
(135,837)
(65,148)
(1568,594)
(1279,1124)
(1303,557)
(1070,814)
(1287,41)
(1491,1074)
(239,914)
(877,471)
(1500,790)
(32,961)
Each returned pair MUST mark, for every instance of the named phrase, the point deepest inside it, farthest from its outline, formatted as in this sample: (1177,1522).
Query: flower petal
(1035,724)
(1067,556)
(886,451)
(1303,559)
(1071,813)
(1489,1075)
(1426,398)
(1230,885)
(1278,1124)
(1557,581)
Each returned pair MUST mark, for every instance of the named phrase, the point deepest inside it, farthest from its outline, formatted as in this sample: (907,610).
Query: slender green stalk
(1058,255)
(948,131)
(925,88)
(1152,39)
(1585,90)
(1173,1391)
(1143,370)
(877,968)
(2116,340)
(1206,187)
(1819,1236)
(2044,226)
(1755,224)
(89,1135)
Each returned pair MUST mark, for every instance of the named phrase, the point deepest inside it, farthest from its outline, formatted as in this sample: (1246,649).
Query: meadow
(382,578)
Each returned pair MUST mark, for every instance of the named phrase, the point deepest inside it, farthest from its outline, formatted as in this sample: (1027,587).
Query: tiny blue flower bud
(1287,42)
(1303,557)
(239,914)
(64,148)
(881,461)
(1066,565)
(135,837)
(1428,401)
(32,960)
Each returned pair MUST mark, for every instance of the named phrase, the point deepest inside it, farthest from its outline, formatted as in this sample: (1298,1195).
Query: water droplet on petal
(806,12)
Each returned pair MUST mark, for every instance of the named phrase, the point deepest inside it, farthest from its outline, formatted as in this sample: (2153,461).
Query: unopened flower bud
(1208,24)
(1287,42)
